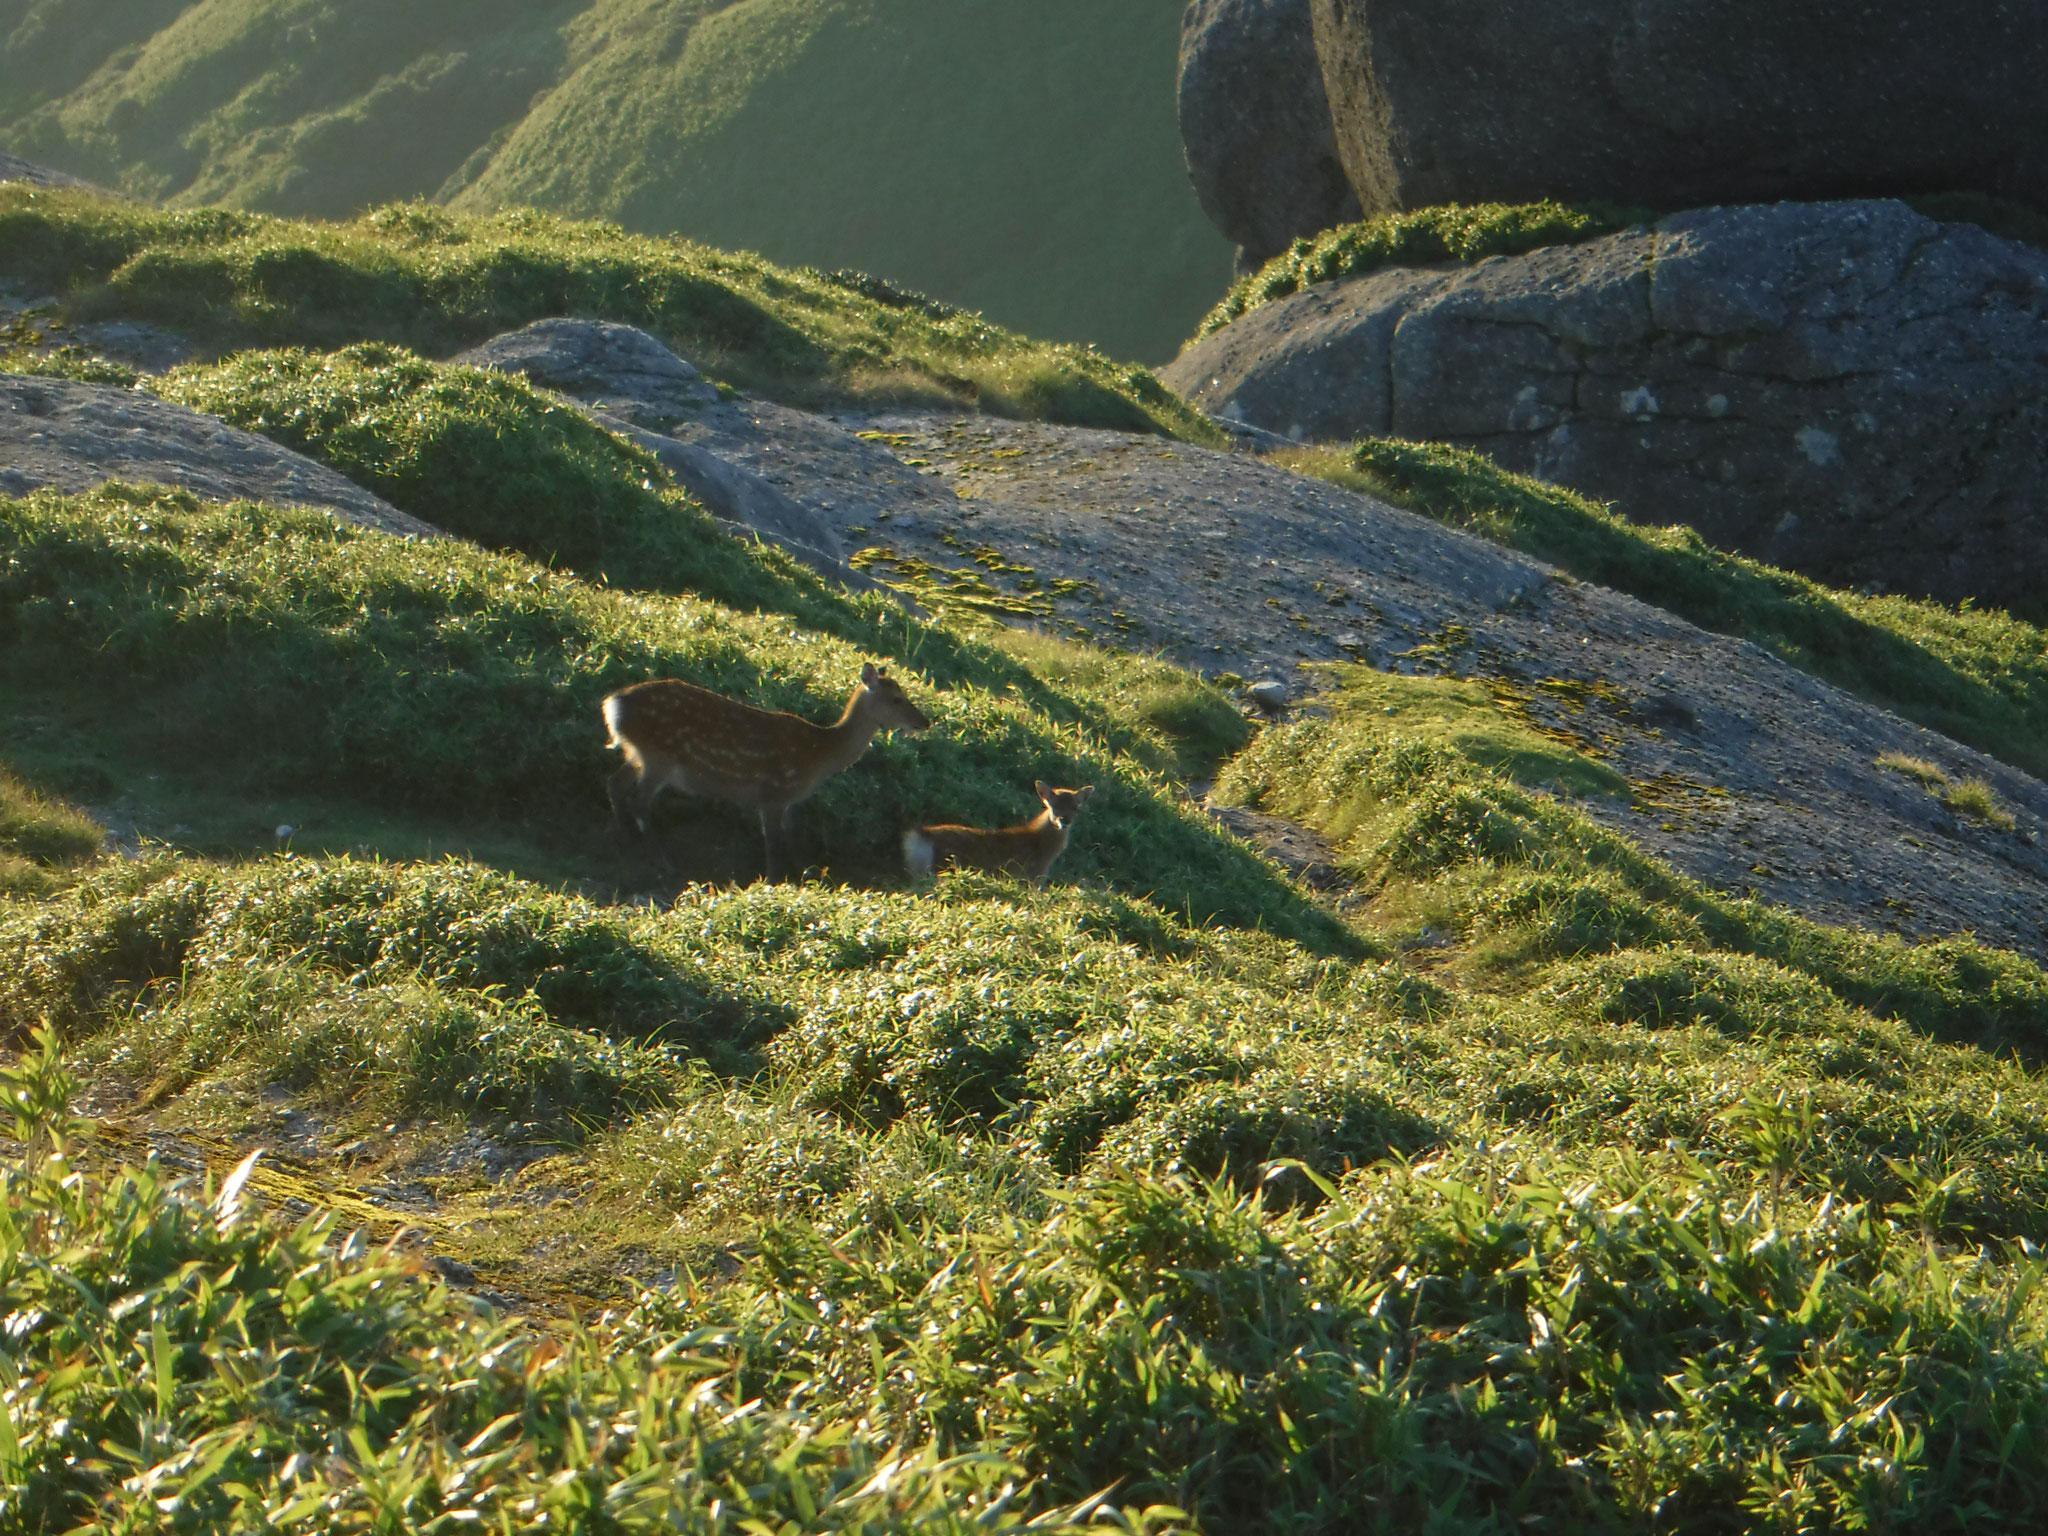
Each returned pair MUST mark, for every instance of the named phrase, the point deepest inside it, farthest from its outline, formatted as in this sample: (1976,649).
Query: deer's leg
(786,831)
(623,789)
(771,837)
(633,791)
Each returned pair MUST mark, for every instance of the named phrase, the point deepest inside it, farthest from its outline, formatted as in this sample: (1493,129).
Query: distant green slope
(1018,159)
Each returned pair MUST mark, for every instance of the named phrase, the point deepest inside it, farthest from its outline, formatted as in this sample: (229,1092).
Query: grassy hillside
(415,276)
(1536,1188)
(437,282)
(1019,160)
(1560,1189)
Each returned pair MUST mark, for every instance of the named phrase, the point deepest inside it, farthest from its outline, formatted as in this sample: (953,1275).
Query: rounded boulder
(1848,389)
(1255,125)
(1680,103)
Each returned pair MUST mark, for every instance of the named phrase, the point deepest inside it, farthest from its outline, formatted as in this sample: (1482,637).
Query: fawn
(1026,850)
(676,735)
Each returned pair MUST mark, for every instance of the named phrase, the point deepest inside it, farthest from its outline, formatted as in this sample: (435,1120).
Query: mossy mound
(1420,238)
(285,648)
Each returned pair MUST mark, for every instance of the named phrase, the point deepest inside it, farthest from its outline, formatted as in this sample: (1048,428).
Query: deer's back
(1024,851)
(725,748)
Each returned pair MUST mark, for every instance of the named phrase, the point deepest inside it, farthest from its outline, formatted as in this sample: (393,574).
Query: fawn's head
(884,697)
(1063,805)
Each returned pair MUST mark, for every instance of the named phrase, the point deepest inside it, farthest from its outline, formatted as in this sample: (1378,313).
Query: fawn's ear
(869,674)
(1045,790)
(1081,795)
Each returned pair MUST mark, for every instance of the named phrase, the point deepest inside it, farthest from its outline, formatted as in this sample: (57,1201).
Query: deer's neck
(847,737)
(1046,832)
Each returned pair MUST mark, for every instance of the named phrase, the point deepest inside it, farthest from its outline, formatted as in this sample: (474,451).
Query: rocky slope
(1745,772)
(1837,386)
(71,437)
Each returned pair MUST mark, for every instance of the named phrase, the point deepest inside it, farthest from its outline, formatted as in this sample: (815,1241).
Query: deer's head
(1063,805)
(888,704)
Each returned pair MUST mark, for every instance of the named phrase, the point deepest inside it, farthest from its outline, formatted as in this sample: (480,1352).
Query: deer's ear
(869,674)
(1045,790)
(1081,795)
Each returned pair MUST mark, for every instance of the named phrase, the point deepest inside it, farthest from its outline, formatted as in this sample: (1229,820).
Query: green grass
(1616,1200)
(999,1044)
(182,1362)
(39,836)
(1474,719)
(417,276)
(1036,144)
(1966,797)
(286,650)
(1423,237)
(1980,676)
(1501,1336)
(1203,725)
(1455,847)
(1455,232)
(1541,1190)
(487,457)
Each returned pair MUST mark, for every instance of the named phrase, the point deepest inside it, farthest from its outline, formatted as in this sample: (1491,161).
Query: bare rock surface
(629,383)
(1745,772)
(1679,103)
(1255,125)
(619,367)
(32,322)
(1847,389)
(1302,852)
(14,168)
(72,437)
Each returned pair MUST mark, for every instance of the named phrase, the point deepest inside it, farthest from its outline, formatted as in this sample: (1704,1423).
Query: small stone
(1270,694)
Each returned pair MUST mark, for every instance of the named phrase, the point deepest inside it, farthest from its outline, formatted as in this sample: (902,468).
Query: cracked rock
(1849,389)
(1679,103)
(1261,151)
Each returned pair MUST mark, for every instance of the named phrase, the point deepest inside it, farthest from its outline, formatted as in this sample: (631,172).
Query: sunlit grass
(1978,675)
(1541,1187)
(1418,238)
(39,836)
(419,276)
(1966,797)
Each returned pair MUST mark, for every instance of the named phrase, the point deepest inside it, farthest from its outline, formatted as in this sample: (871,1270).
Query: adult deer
(676,735)
(1026,850)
